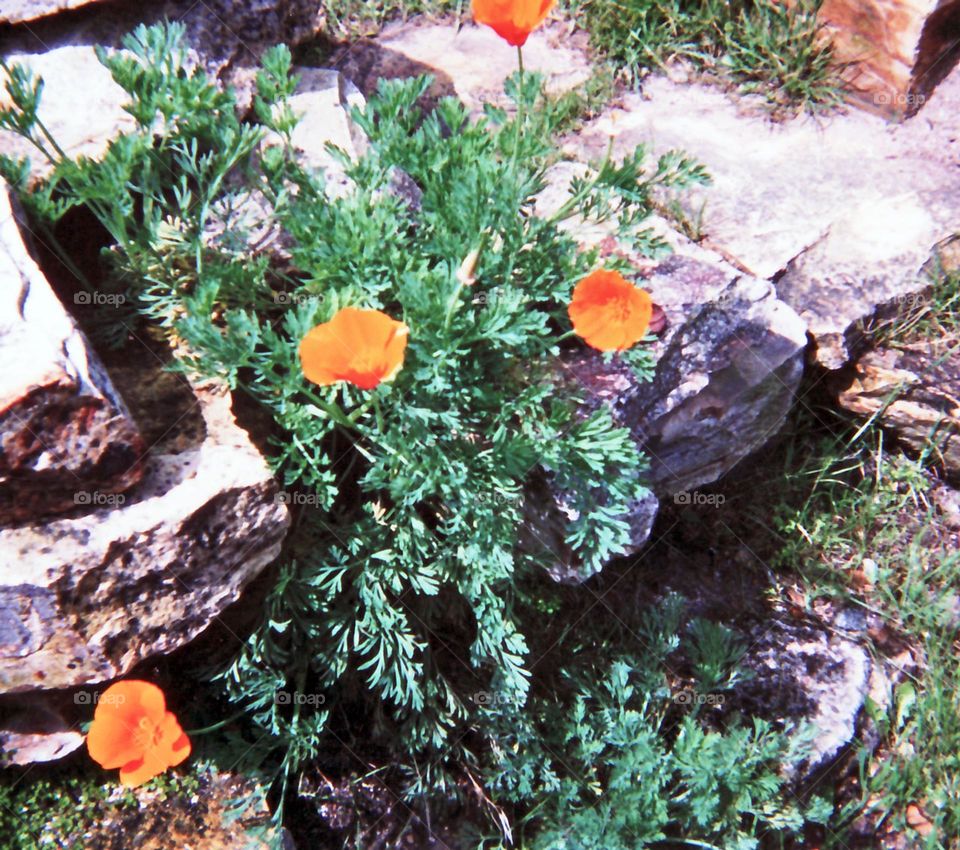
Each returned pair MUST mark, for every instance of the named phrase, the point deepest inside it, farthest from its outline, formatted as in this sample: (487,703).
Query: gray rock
(728,368)
(469,62)
(807,676)
(547,513)
(841,211)
(66,437)
(83,121)
(728,365)
(83,600)
(868,267)
(81,104)
(37,732)
(323,101)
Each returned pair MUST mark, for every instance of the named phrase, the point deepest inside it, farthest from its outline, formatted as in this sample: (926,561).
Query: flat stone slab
(842,211)
(82,600)
(66,437)
(19,11)
(470,63)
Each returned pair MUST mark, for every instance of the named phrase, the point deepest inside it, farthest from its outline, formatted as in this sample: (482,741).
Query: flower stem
(219,725)
(520,114)
(332,410)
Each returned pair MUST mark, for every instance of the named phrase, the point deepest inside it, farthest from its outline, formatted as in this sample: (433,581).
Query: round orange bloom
(133,730)
(609,312)
(513,20)
(363,347)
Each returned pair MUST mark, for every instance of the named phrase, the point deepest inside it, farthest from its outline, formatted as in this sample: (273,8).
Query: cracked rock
(66,437)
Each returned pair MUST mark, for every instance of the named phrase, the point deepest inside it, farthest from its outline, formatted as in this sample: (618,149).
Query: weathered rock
(914,392)
(470,63)
(18,11)
(322,102)
(37,732)
(842,212)
(82,121)
(84,599)
(894,52)
(547,513)
(867,267)
(807,675)
(66,437)
(82,106)
(728,365)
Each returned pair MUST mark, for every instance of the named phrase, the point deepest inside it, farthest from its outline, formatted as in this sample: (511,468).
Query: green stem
(461,285)
(520,115)
(331,409)
(204,730)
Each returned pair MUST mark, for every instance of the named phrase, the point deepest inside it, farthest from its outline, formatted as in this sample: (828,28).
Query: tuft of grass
(351,18)
(867,533)
(762,46)
(872,530)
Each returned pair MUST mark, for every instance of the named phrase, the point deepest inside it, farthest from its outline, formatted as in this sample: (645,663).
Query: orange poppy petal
(363,347)
(141,770)
(116,720)
(609,312)
(317,356)
(512,20)
(111,745)
(171,747)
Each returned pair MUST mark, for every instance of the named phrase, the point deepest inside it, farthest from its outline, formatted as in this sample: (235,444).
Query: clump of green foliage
(775,49)
(605,755)
(405,589)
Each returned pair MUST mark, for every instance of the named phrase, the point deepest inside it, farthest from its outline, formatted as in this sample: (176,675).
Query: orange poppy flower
(513,20)
(363,347)
(609,312)
(133,730)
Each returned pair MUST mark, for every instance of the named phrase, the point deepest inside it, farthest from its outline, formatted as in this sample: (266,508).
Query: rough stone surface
(728,364)
(801,670)
(18,11)
(470,63)
(809,675)
(867,267)
(84,599)
(728,367)
(323,101)
(81,104)
(897,50)
(846,202)
(36,732)
(547,514)
(83,121)
(66,437)
(915,393)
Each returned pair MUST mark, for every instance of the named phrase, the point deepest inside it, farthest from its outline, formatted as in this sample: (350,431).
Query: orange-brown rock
(913,392)
(897,50)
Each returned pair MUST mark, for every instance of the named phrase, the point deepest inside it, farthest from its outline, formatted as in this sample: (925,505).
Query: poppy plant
(609,312)
(362,347)
(512,20)
(133,730)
